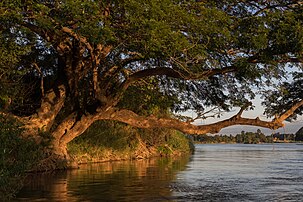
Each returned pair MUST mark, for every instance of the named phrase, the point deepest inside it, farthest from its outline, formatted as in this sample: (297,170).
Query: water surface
(140,180)
(241,172)
(218,172)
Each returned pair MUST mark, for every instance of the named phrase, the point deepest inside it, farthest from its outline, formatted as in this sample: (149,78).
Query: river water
(217,172)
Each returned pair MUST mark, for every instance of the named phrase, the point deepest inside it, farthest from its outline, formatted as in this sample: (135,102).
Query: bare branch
(41,81)
(79,38)
(243,108)
(38,30)
(269,6)
(290,59)
(133,119)
(200,115)
(72,127)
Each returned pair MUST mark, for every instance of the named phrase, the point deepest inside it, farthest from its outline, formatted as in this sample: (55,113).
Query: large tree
(68,63)
(284,96)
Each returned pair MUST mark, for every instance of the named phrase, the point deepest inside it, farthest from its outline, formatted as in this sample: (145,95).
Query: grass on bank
(109,140)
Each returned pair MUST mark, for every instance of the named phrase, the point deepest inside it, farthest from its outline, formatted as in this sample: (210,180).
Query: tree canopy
(65,64)
(284,96)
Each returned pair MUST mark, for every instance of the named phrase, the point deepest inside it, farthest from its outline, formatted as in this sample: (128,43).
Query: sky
(290,127)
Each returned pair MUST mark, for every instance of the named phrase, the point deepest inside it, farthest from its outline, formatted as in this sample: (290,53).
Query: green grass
(109,140)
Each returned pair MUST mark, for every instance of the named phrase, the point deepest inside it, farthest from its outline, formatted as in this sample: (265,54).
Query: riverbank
(216,172)
(104,141)
(110,141)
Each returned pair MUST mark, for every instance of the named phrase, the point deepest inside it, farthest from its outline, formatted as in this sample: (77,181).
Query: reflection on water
(242,173)
(143,180)
(214,173)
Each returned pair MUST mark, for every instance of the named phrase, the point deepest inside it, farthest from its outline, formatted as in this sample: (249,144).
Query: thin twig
(41,81)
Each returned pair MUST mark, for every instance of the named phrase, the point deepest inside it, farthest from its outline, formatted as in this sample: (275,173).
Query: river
(216,172)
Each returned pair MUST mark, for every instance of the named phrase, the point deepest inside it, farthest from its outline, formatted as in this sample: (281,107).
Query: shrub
(119,139)
(17,155)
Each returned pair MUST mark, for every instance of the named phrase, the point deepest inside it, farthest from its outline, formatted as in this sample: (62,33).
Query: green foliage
(15,45)
(251,138)
(299,135)
(108,140)
(17,155)
(244,137)
(146,100)
(10,55)
(104,137)
(177,141)
(190,37)
(278,100)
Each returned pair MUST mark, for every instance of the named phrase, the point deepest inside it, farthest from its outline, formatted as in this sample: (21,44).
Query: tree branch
(160,71)
(131,118)
(51,105)
(81,39)
(170,72)
(200,115)
(289,112)
(38,30)
(77,128)
(72,127)
(243,108)
(135,120)
(41,80)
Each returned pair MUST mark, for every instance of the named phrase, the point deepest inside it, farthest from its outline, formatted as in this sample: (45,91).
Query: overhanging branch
(289,112)
(161,71)
(71,127)
(131,118)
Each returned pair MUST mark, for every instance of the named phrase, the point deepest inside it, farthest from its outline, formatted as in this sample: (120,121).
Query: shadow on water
(141,180)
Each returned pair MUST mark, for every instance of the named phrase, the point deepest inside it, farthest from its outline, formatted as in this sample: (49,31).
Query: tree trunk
(56,158)
(43,120)
(57,153)
(73,126)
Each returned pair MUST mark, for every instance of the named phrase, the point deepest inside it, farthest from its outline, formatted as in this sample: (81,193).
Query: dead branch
(41,80)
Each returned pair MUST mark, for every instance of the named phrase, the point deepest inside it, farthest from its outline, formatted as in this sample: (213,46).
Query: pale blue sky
(258,111)
(292,127)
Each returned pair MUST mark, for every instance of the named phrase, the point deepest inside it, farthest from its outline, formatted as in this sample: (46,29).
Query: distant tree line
(245,138)
(299,135)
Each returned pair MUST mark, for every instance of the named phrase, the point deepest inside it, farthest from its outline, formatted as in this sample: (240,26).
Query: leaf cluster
(283,97)
(256,39)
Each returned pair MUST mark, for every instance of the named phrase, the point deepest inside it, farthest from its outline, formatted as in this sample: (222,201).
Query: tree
(299,135)
(285,96)
(80,61)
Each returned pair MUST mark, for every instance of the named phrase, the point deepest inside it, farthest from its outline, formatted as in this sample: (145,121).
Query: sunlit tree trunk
(73,126)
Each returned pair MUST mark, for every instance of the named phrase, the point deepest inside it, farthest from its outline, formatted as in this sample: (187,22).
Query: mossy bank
(112,141)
